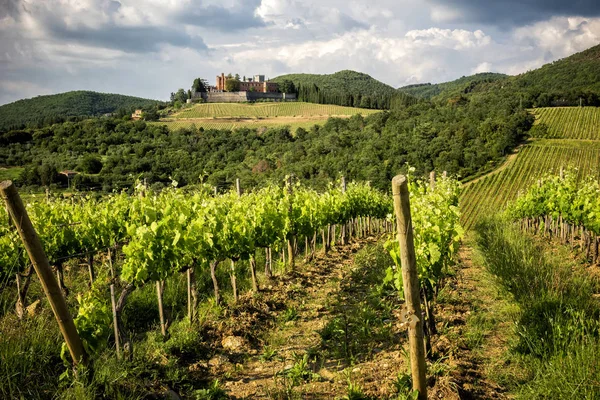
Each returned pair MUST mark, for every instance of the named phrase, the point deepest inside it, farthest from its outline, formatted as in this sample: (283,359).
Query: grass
(567,137)
(30,362)
(12,173)
(268,110)
(557,324)
(257,115)
(363,310)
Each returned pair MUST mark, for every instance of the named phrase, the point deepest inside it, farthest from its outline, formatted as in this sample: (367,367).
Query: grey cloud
(347,23)
(510,13)
(238,18)
(10,8)
(141,39)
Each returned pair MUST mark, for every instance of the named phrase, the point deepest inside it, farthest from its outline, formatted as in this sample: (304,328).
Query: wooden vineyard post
(410,283)
(91,271)
(189,294)
(343,226)
(115,320)
(34,248)
(432,180)
(290,242)
(238,187)
(161,311)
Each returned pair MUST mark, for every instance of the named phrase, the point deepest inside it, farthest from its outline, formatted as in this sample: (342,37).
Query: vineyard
(258,115)
(239,123)
(581,123)
(130,243)
(567,144)
(268,110)
(494,191)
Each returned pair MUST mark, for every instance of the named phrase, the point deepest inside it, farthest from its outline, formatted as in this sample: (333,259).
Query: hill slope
(463,84)
(347,88)
(579,72)
(342,81)
(47,109)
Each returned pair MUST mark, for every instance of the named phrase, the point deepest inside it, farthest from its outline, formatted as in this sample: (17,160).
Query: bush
(90,164)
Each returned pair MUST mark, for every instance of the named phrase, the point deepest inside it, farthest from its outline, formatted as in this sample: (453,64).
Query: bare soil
(283,325)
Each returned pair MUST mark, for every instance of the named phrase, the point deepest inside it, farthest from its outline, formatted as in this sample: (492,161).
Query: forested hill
(347,81)
(44,110)
(561,82)
(346,88)
(428,90)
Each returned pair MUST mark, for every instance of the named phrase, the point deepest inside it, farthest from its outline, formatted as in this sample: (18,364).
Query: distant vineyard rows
(208,124)
(494,191)
(267,110)
(570,122)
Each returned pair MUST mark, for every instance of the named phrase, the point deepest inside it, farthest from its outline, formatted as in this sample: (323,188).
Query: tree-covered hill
(345,81)
(45,110)
(562,82)
(461,85)
(346,88)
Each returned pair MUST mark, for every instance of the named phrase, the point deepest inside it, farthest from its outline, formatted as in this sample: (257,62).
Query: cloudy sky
(150,48)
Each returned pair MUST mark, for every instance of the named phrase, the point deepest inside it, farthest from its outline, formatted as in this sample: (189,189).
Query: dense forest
(45,110)
(461,138)
(346,88)
(428,90)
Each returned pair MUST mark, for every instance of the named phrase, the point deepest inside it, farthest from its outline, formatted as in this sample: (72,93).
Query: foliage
(45,110)
(574,201)
(464,84)
(461,140)
(90,164)
(557,306)
(232,85)
(346,88)
(436,229)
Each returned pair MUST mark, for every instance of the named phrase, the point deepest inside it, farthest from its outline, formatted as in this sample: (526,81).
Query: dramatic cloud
(509,13)
(150,48)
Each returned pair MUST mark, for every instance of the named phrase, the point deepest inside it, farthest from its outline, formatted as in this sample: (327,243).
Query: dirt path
(334,331)
(334,334)
(475,332)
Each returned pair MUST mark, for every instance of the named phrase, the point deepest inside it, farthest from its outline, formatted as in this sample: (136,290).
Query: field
(268,110)
(570,122)
(570,146)
(10,173)
(237,123)
(258,115)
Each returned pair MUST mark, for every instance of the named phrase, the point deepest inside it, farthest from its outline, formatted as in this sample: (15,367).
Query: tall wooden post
(432,180)
(343,233)
(115,320)
(410,283)
(161,312)
(38,258)
(290,242)
(238,186)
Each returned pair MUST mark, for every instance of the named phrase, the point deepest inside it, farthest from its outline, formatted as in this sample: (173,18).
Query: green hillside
(579,72)
(461,85)
(345,81)
(43,110)
(347,88)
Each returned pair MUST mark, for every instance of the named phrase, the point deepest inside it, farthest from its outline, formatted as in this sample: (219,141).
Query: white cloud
(560,36)
(483,67)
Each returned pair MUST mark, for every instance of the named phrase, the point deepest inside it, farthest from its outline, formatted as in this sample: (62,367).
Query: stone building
(258,84)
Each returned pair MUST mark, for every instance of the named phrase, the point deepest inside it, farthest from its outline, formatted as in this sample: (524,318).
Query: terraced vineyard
(268,110)
(570,122)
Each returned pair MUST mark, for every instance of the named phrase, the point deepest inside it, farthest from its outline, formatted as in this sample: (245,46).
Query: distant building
(258,84)
(137,115)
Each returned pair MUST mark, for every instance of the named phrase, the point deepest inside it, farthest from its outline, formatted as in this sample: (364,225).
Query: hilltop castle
(250,89)
(256,84)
